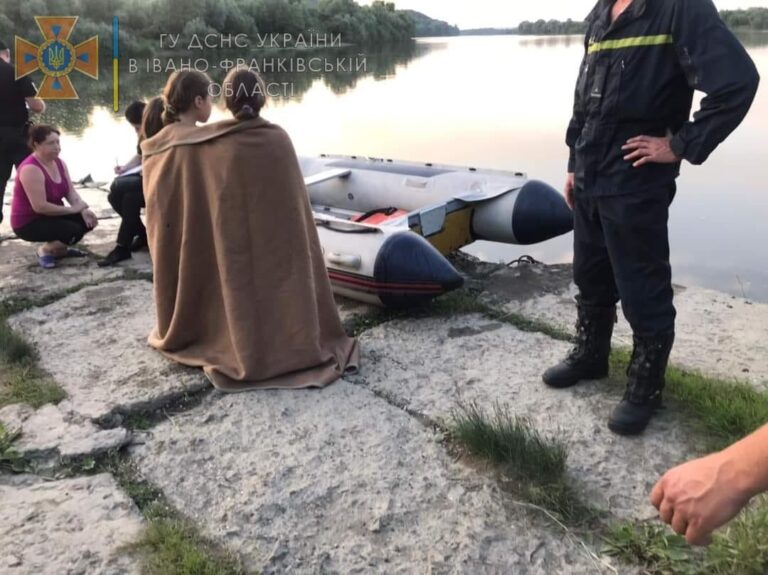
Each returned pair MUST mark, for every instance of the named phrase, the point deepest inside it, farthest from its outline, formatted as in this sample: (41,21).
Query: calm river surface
(498,102)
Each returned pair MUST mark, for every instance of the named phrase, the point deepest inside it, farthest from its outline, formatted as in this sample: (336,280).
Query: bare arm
(73,198)
(700,496)
(33,180)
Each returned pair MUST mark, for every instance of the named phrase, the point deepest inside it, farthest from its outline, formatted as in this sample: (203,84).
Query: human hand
(90,219)
(119,170)
(568,190)
(699,496)
(649,150)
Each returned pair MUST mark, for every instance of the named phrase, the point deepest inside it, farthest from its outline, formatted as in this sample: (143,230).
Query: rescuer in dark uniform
(629,132)
(15,97)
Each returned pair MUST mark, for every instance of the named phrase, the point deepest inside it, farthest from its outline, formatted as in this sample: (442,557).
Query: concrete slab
(93,343)
(50,435)
(339,481)
(433,365)
(75,526)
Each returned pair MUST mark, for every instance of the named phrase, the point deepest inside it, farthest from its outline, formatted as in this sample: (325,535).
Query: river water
(498,102)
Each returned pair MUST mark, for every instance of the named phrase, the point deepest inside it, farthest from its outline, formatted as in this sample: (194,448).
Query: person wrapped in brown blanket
(241,288)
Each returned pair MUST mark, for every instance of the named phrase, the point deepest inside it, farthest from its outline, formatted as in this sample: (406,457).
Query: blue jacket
(638,77)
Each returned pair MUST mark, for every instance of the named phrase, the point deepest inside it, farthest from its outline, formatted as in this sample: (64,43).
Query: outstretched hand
(649,150)
(699,496)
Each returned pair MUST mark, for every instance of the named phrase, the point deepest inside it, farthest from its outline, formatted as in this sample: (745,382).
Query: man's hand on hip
(649,150)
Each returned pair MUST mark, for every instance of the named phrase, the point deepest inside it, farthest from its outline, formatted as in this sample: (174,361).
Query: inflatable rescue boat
(385,226)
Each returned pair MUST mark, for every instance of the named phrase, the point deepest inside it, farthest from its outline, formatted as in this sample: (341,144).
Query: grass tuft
(742,548)
(739,549)
(20,379)
(14,349)
(173,546)
(533,467)
(27,385)
(508,441)
(651,546)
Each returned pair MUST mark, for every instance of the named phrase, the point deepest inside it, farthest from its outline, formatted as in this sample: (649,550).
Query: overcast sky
(509,13)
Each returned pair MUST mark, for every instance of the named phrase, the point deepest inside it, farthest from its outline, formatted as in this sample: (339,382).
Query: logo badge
(57,57)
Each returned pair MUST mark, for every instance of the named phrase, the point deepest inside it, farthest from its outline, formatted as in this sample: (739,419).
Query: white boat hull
(398,259)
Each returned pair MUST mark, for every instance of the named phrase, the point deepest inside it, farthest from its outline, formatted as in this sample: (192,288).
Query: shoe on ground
(116,256)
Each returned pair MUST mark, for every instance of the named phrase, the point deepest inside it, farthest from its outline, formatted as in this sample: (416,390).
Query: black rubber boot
(589,358)
(115,256)
(644,386)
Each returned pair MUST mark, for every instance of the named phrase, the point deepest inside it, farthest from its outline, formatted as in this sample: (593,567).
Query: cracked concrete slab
(339,481)
(433,365)
(93,344)
(53,434)
(75,526)
(716,334)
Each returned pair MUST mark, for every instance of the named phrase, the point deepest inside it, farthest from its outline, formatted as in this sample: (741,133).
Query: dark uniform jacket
(13,95)
(637,78)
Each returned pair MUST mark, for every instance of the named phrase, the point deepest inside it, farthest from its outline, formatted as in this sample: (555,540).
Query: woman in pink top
(38,213)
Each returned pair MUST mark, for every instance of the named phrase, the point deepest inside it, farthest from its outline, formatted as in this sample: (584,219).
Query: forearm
(134,162)
(751,456)
(48,209)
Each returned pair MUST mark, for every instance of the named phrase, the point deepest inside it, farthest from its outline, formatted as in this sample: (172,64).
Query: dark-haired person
(126,194)
(241,288)
(133,114)
(38,212)
(17,99)
(630,130)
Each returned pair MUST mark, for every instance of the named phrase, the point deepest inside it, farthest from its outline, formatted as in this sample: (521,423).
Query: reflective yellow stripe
(630,43)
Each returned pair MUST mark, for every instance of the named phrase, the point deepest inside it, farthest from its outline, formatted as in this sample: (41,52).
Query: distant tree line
(488,31)
(426,26)
(751,18)
(547,27)
(142,21)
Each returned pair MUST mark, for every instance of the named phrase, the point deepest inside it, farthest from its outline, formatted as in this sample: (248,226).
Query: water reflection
(142,78)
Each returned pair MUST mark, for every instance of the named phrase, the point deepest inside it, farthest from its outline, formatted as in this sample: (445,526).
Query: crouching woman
(38,212)
(241,288)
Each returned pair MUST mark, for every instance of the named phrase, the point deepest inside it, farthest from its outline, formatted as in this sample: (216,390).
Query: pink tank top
(21,208)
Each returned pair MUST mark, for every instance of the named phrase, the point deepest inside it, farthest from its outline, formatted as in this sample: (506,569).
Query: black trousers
(621,252)
(68,229)
(13,150)
(126,196)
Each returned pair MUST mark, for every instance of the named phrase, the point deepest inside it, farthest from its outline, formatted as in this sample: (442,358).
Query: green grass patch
(739,549)
(27,385)
(742,548)
(173,546)
(13,348)
(651,546)
(533,467)
(20,379)
(725,411)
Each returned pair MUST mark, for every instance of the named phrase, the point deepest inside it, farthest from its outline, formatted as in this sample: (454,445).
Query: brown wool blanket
(240,285)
